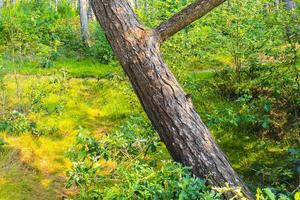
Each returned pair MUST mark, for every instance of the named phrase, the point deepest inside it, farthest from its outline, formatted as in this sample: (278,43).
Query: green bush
(100,48)
(16,123)
(120,166)
(269,95)
(36,32)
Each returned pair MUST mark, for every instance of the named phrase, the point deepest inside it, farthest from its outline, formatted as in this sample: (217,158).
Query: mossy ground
(32,165)
(98,97)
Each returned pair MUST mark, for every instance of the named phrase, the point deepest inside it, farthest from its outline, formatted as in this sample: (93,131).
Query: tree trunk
(146,7)
(136,4)
(289,5)
(56,5)
(131,3)
(84,21)
(90,12)
(1,5)
(169,109)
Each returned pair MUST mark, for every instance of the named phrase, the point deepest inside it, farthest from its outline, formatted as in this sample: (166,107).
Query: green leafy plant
(119,167)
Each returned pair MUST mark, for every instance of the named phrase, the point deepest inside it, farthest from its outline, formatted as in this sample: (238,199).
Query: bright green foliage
(262,160)
(17,123)
(100,49)
(240,65)
(34,31)
(265,79)
(269,106)
(121,166)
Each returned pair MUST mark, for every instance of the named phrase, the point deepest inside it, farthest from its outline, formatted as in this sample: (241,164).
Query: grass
(58,107)
(260,161)
(20,181)
(84,68)
(99,98)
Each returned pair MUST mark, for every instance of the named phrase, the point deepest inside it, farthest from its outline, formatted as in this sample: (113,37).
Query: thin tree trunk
(289,5)
(136,4)
(169,109)
(84,21)
(1,6)
(146,7)
(277,2)
(56,5)
(90,12)
(74,3)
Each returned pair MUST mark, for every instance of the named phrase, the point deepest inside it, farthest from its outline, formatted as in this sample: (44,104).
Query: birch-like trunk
(1,6)
(91,15)
(84,21)
(289,5)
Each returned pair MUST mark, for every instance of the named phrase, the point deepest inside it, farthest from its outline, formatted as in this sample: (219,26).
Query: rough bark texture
(169,109)
(134,4)
(84,21)
(131,3)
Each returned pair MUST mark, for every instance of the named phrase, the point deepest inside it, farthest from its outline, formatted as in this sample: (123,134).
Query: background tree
(90,12)
(1,5)
(83,6)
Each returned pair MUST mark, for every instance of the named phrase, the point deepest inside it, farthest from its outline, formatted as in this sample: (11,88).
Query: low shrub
(269,98)
(120,166)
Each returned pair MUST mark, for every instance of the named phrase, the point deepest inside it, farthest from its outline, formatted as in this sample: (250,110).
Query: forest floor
(72,94)
(33,167)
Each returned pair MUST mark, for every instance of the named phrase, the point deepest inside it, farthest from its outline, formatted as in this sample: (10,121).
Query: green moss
(58,106)
(19,181)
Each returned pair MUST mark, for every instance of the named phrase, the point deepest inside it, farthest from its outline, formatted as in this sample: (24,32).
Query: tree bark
(84,21)
(131,2)
(134,4)
(186,17)
(167,106)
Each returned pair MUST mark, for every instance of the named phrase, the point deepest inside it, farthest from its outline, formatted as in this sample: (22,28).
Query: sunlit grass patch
(76,68)
(87,68)
(19,181)
(54,108)
(43,154)
(59,114)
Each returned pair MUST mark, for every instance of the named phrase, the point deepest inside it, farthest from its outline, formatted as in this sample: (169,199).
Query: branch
(185,17)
